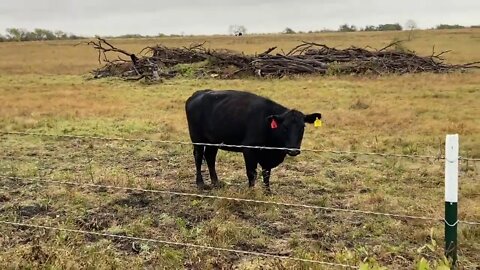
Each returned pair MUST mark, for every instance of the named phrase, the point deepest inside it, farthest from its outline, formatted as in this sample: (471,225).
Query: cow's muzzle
(293,152)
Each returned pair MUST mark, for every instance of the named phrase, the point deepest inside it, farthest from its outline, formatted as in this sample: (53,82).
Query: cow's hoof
(218,184)
(202,186)
(267,192)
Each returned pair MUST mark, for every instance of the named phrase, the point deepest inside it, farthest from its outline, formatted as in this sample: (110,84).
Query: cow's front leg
(251,166)
(266,180)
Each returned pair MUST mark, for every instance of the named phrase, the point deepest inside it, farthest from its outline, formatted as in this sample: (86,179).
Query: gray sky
(114,17)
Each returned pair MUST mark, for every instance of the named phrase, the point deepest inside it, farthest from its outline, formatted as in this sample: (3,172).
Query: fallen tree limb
(157,62)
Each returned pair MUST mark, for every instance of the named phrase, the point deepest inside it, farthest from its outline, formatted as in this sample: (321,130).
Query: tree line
(410,25)
(19,34)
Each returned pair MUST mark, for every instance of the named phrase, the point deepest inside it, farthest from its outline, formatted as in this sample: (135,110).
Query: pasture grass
(43,88)
(74,57)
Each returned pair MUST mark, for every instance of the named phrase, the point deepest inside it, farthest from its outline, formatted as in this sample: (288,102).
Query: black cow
(240,118)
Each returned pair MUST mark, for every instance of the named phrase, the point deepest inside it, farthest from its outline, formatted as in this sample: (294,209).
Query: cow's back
(229,116)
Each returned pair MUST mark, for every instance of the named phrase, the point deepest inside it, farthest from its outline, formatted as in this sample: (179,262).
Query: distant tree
(347,28)
(389,27)
(475,26)
(60,35)
(411,25)
(29,36)
(288,30)
(130,36)
(237,30)
(449,26)
(16,34)
(42,34)
(73,36)
(370,28)
(3,38)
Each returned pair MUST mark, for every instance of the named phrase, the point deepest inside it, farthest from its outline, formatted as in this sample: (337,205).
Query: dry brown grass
(43,89)
(63,57)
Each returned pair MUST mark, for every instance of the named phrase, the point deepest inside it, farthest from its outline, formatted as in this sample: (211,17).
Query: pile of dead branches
(156,62)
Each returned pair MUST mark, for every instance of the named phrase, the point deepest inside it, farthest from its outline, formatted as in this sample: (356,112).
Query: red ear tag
(273,124)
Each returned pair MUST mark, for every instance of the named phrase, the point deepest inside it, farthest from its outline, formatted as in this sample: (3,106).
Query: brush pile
(157,62)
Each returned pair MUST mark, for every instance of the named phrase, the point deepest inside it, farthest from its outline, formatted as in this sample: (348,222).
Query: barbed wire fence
(101,138)
(42,180)
(205,196)
(181,244)
(467,163)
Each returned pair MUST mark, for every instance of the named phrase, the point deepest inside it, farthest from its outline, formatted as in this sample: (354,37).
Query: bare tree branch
(305,58)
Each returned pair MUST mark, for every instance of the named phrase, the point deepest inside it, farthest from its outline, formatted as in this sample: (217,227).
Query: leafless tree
(411,25)
(237,30)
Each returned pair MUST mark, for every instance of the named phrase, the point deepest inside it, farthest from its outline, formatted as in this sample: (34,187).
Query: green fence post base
(451,223)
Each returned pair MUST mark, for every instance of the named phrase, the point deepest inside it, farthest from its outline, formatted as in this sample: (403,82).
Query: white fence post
(451,196)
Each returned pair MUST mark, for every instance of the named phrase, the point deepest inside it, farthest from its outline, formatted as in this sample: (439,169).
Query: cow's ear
(274,121)
(310,118)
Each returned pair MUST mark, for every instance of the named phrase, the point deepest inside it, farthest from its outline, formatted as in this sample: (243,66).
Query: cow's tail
(204,159)
(203,156)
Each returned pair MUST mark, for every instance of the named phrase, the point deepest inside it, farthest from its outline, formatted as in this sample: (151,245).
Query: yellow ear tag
(317,123)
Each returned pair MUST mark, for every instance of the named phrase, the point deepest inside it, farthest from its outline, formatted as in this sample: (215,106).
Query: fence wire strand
(469,222)
(296,205)
(172,243)
(197,195)
(167,192)
(69,136)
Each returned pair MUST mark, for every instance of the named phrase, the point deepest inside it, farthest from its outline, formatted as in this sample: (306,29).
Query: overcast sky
(114,17)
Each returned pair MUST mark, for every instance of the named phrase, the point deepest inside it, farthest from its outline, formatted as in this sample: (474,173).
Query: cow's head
(287,129)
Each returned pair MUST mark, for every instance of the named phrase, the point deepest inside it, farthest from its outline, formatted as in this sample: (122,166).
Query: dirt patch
(30,211)
(195,215)
(126,245)
(137,200)
(277,229)
(36,254)
(256,247)
(215,260)
(359,105)
(13,185)
(96,221)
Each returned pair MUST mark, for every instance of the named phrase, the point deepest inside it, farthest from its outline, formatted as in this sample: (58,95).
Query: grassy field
(44,88)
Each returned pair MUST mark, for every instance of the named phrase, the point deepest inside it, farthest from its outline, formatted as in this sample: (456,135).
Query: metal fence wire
(181,244)
(207,196)
(101,138)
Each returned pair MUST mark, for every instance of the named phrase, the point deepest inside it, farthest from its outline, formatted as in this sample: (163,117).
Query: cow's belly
(227,136)
(231,149)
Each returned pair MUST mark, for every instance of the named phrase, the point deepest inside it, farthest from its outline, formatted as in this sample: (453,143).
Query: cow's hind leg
(198,151)
(210,156)
(266,180)
(251,166)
